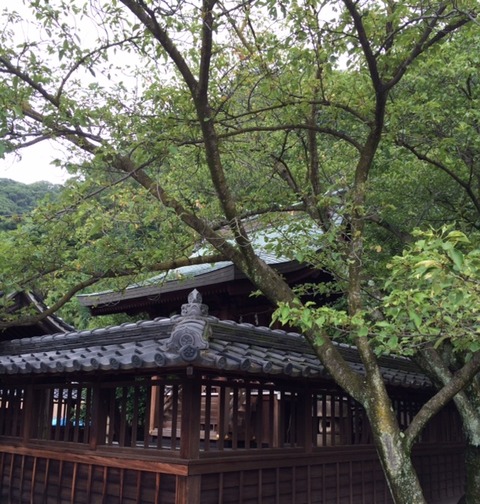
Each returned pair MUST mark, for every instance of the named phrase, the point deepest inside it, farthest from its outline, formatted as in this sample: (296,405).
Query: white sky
(33,165)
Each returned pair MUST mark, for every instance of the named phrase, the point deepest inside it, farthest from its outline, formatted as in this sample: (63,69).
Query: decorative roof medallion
(191,333)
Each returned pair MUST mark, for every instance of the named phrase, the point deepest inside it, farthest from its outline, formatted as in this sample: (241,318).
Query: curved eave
(103,302)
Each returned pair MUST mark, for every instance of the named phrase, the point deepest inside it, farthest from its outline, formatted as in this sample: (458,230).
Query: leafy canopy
(433,295)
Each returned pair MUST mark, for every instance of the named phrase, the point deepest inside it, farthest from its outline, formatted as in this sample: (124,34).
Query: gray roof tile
(185,340)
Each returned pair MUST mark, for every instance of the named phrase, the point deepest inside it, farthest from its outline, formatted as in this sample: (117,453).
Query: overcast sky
(33,166)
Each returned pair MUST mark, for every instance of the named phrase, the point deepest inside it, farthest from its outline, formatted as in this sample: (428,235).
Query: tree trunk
(467,403)
(393,451)
(398,468)
(472,469)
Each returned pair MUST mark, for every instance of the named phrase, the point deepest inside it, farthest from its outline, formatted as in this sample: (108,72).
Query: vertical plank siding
(324,482)
(314,480)
(36,480)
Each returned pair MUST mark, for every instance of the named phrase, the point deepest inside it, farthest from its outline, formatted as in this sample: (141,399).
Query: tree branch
(290,127)
(13,70)
(425,42)
(84,59)
(52,309)
(403,236)
(431,362)
(365,43)
(76,136)
(464,185)
(147,17)
(206,50)
(458,382)
(156,267)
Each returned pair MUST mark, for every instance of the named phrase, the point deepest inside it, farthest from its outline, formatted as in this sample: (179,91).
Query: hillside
(17,198)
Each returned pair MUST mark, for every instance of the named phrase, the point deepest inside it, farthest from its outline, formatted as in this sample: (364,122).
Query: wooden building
(225,289)
(192,409)
(28,300)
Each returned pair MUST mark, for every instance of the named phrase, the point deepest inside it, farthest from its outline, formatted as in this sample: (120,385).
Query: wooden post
(28,413)
(40,411)
(190,420)
(188,487)
(99,416)
(304,423)
(188,490)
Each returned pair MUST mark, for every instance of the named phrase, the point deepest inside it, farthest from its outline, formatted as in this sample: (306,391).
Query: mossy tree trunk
(467,402)
(393,446)
(397,465)
(472,480)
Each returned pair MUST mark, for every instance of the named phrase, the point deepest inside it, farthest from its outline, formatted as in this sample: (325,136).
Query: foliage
(433,295)
(439,128)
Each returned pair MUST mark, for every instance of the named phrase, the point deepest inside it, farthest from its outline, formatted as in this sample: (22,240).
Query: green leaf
(474,346)
(362,331)
(415,318)
(457,257)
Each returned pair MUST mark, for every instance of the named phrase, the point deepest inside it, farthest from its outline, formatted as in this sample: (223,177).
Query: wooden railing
(224,414)
(204,439)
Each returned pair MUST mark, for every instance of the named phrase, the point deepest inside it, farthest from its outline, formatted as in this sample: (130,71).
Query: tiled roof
(49,325)
(185,277)
(193,338)
(188,277)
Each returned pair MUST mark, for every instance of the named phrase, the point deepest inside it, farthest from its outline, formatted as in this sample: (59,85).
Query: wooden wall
(331,476)
(40,480)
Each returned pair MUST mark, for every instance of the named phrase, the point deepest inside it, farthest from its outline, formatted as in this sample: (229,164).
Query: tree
(433,291)
(216,117)
(448,151)
(434,180)
(17,199)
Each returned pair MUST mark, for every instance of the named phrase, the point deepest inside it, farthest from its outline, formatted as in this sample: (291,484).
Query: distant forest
(17,199)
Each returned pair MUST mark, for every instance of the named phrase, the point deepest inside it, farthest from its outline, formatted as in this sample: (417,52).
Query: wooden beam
(99,416)
(188,490)
(118,460)
(190,420)
(29,413)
